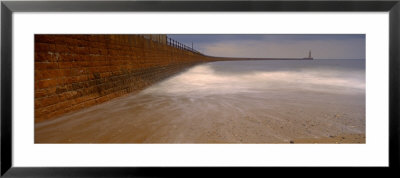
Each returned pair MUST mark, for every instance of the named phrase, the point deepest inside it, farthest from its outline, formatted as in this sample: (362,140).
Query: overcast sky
(331,46)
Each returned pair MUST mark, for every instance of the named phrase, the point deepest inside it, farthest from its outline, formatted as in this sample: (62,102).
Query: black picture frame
(8,7)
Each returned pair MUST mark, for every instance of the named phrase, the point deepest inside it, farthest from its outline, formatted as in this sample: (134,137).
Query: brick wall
(77,71)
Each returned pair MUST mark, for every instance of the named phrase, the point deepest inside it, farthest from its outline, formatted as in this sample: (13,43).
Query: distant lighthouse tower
(309,56)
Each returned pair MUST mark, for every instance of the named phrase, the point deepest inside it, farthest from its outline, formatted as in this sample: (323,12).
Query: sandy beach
(345,138)
(120,121)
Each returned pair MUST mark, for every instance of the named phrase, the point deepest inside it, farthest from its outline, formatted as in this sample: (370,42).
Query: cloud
(353,48)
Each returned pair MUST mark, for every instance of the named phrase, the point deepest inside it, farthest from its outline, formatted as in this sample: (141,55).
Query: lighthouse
(309,55)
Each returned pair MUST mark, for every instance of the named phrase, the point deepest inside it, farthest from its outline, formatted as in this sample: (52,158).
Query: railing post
(181,46)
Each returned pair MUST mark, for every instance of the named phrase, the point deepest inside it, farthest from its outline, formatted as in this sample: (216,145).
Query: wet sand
(345,138)
(122,121)
(189,109)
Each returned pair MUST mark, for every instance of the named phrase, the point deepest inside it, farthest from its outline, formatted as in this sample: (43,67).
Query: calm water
(228,102)
(263,77)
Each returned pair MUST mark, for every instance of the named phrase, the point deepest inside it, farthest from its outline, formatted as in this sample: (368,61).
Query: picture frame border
(8,7)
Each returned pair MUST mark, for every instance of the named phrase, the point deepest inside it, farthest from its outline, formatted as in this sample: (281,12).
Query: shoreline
(203,106)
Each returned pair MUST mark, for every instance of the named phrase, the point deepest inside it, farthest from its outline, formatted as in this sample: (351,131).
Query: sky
(322,46)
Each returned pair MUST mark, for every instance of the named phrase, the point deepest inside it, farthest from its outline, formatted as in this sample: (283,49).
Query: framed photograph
(113,88)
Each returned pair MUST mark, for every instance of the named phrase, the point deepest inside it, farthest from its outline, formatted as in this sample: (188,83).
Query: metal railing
(177,44)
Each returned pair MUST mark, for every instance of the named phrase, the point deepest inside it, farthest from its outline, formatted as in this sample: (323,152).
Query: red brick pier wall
(73,72)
